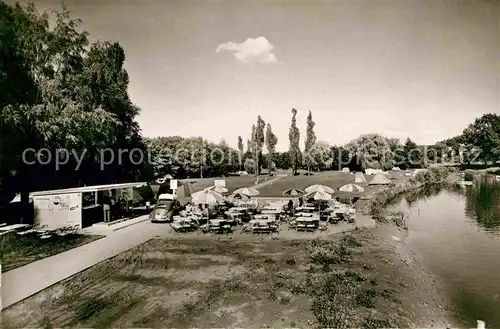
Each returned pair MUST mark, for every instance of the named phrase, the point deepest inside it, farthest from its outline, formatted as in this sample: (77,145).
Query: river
(456,235)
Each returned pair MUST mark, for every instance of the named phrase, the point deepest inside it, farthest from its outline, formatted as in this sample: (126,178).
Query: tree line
(480,141)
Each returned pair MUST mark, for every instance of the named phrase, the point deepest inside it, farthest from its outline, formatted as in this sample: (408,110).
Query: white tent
(359,178)
(345,169)
(379,179)
(396,169)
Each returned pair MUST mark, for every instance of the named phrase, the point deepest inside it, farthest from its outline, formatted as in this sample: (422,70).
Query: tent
(345,169)
(359,178)
(379,179)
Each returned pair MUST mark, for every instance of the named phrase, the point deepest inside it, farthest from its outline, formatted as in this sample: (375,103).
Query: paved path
(268,182)
(27,280)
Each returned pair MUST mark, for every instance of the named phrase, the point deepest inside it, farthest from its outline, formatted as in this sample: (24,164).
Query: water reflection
(483,203)
(421,194)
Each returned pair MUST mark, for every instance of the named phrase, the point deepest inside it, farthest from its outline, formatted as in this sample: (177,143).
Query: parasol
(247,191)
(319,188)
(293,192)
(206,197)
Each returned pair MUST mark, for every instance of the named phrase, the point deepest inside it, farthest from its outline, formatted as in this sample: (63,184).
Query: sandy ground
(362,279)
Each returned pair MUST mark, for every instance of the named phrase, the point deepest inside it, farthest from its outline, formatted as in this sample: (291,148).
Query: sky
(418,69)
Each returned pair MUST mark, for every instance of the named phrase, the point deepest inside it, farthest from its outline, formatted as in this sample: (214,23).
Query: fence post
(480,324)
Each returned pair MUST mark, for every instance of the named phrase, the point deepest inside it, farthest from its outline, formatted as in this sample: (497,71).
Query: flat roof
(89,189)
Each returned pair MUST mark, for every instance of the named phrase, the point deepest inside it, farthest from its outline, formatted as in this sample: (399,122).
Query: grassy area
(354,281)
(232,183)
(330,179)
(18,250)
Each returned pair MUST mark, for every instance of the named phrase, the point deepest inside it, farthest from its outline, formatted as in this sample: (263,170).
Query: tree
(294,138)
(249,146)
(413,154)
(309,143)
(393,144)
(374,149)
(282,160)
(240,151)
(340,156)
(56,111)
(271,141)
(259,140)
(484,135)
(322,154)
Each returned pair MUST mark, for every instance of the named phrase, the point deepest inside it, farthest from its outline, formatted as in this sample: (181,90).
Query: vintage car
(165,208)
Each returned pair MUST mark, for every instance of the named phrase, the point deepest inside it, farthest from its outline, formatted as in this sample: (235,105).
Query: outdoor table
(263,226)
(306,214)
(307,223)
(184,224)
(264,216)
(219,225)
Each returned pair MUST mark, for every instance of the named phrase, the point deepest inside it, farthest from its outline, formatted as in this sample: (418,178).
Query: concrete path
(27,280)
(268,182)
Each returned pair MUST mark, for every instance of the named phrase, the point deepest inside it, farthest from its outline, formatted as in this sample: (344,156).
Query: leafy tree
(294,138)
(259,139)
(309,143)
(249,146)
(322,156)
(59,110)
(394,144)
(249,166)
(240,151)
(340,156)
(413,154)
(374,149)
(484,134)
(271,141)
(282,160)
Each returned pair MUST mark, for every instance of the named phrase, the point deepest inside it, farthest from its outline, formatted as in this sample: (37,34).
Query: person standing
(106,207)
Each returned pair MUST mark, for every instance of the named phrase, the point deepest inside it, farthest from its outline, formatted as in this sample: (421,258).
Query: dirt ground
(361,279)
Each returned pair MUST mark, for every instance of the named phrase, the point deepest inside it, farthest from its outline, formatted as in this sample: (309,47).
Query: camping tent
(345,169)
(359,178)
(379,179)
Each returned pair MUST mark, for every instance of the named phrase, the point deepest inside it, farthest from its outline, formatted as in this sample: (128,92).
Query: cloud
(252,50)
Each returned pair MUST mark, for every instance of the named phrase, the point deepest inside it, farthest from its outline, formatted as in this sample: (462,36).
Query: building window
(88,199)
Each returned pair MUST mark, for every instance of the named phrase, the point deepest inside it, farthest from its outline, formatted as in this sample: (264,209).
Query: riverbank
(431,308)
(374,202)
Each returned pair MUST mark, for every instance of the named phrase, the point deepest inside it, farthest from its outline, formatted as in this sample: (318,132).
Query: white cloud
(252,50)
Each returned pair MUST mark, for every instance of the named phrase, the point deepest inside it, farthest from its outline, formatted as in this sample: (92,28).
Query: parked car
(165,208)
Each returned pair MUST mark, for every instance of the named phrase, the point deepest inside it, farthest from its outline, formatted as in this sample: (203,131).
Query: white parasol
(319,195)
(206,197)
(351,188)
(319,188)
(247,191)
(217,188)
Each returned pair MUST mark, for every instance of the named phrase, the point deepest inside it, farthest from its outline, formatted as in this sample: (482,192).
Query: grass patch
(342,290)
(18,250)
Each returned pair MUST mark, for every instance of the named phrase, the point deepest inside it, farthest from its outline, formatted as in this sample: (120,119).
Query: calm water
(457,236)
